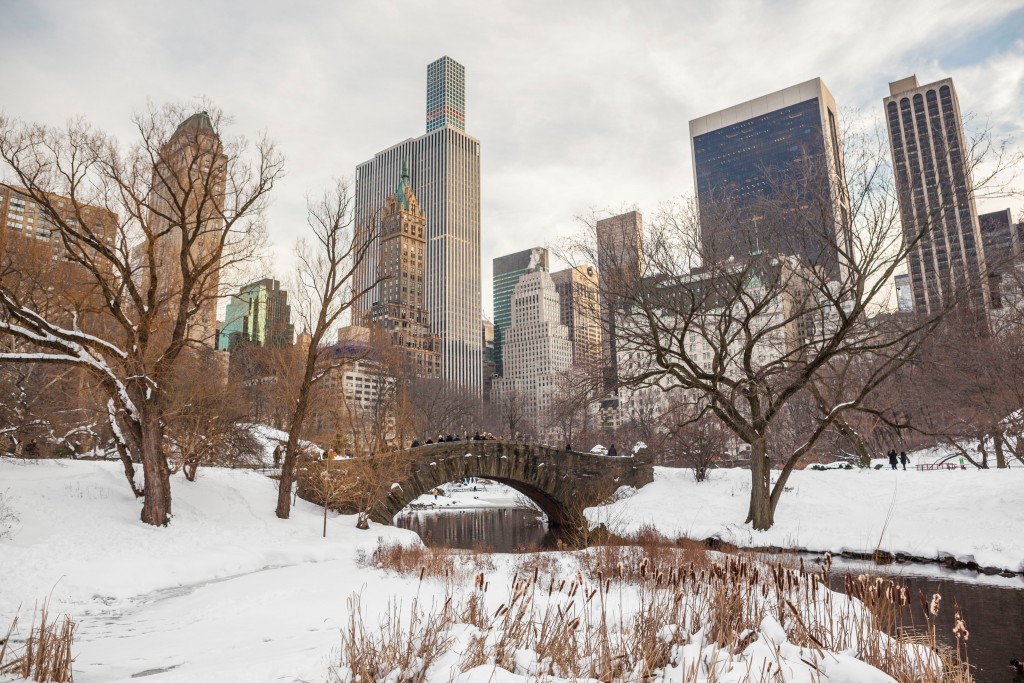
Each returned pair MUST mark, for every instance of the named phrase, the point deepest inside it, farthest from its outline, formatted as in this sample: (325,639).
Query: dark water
(992,606)
(500,530)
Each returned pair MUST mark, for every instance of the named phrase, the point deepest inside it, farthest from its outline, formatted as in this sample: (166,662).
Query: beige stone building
(189,187)
(400,311)
(580,310)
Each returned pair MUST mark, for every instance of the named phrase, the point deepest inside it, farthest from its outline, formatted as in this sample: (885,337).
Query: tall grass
(45,655)
(631,612)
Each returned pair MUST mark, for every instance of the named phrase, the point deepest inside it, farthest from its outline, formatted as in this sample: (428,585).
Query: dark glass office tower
(935,193)
(783,147)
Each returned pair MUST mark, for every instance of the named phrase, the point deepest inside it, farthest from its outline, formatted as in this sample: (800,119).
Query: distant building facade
(400,310)
(537,350)
(620,262)
(27,223)
(506,273)
(189,178)
(580,311)
(444,169)
(937,209)
(904,299)
(782,144)
(258,314)
(490,367)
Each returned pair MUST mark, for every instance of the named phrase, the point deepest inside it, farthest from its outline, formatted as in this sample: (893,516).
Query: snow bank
(203,595)
(972,515)
(464,497)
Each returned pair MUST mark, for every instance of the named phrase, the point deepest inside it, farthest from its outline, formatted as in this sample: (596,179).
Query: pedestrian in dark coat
(612,452)
(904,459)
(893,460)
(415,443)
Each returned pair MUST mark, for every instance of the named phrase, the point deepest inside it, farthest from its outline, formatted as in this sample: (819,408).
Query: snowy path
(226,593)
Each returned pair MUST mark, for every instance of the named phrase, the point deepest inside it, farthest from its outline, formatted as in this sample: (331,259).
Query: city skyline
(544,97)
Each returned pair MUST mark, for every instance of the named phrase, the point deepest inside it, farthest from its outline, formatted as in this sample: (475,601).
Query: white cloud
(578,105)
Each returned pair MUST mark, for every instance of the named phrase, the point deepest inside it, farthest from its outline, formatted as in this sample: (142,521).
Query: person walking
(277,455)
(904,460)
(893,460)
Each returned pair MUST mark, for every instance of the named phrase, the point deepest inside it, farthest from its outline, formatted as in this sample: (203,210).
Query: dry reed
(625,613)
(45,656)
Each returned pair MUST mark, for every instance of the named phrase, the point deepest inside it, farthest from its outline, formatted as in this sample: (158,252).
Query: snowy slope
(973,515)
(227,587)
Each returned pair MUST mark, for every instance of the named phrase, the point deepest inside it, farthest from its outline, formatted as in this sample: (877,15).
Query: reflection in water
(502,530)
(993,608)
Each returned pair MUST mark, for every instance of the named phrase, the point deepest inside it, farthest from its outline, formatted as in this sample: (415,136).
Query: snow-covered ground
(973,515)
(474,495)
(228,592)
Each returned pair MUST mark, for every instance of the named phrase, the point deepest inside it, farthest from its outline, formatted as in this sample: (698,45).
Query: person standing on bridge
(612,452)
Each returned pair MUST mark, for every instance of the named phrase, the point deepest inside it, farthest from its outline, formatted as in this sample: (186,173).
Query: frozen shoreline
(966,518)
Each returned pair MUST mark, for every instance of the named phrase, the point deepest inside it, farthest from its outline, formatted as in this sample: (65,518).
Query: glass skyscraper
(444,172)
(782,145)
(446,95)
(508,270)
(259,314)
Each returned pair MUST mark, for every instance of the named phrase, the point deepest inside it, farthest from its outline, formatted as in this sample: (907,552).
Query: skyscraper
(189,179)
(446,95)
(933,181)
(620,261)
(785,144)
(580,311)
(400,312)
(537,349)
(258,314)
(444,171)
(507,270)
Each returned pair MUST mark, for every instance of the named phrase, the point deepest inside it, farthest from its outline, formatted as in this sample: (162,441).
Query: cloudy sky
(579,105)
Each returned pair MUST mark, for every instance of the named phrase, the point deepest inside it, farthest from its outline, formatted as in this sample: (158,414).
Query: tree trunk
(291,456)
(997,444)
(761,513)
(156,509)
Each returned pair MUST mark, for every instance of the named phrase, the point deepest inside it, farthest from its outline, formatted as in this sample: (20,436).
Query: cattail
(934,608)
(959,627)
(619,569)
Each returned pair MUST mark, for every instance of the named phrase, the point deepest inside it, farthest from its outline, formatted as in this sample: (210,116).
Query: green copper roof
(197,122)
(403,191)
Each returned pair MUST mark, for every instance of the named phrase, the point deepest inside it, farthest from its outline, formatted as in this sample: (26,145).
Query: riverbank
(959,517)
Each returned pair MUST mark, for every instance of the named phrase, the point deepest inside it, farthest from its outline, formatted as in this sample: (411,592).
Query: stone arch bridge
(562,483)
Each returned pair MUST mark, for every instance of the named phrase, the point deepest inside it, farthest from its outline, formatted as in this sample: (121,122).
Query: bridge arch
(562,483)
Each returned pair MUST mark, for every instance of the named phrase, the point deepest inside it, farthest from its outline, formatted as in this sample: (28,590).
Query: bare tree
(153,226)
(782,312)
(323,292)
